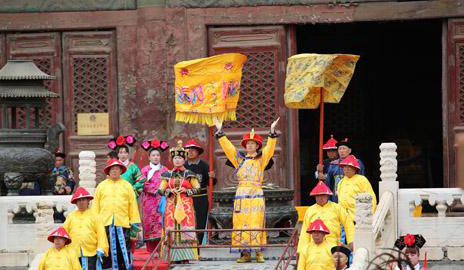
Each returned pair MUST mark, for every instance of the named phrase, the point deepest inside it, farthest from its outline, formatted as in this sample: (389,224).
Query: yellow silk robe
(333,216)
(316,257)
(87,233)
(249,207)
(348,188)
(63,259)
(116,199)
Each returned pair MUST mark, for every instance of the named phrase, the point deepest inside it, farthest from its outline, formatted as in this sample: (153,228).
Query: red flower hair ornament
(113,144)
(409,240)
(154,144)
(120,141)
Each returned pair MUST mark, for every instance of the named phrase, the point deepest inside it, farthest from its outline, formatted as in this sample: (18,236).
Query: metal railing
(167,244)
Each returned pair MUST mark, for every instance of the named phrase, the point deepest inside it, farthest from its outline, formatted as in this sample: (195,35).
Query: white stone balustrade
(394,216)
(32,236)
(376,231)
(87,169)
(21,242)
(442,232)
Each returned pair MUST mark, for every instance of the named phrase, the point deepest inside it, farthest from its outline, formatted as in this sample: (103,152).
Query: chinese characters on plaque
(91,124)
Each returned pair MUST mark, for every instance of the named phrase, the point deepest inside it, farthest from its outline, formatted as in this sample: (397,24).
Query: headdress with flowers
(155,144)
(119,141)
(410,241)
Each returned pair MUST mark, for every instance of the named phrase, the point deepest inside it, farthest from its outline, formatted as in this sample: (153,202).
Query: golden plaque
(91,124)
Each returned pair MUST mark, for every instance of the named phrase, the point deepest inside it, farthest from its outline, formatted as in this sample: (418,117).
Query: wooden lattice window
(89,78)
(257,103)
(460,79)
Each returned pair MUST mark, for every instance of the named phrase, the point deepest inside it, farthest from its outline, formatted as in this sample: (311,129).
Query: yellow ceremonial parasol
(206,88)
(314,79)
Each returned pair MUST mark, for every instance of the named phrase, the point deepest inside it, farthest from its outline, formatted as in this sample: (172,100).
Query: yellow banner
(208,87)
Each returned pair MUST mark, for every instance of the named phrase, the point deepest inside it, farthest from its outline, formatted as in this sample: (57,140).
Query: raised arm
(226,145)
(268,150)
(229,149)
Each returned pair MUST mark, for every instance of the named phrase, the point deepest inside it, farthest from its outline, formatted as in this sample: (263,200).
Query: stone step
(229,265)
(224,254)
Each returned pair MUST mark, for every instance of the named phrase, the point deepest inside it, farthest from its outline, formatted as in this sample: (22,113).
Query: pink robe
(152,219)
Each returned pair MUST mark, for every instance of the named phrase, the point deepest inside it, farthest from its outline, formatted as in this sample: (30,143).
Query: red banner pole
(210,189)
(321,126)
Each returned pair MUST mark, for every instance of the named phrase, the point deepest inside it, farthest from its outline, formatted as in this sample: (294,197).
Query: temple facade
(117,57)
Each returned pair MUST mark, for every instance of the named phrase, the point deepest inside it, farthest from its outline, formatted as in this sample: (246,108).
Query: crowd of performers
(155,199)
(326,236)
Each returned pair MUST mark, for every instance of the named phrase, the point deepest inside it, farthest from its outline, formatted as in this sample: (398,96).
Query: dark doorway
(395,96)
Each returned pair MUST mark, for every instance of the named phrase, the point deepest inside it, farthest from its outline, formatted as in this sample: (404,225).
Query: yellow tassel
(205,119)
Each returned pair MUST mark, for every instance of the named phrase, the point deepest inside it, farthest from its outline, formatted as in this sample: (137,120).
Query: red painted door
(89,65)
(261,97)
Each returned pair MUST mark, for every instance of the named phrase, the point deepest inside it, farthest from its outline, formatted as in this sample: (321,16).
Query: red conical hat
(193,144)
(60,232)
(318,225)
(252,137)
(321,189)
(331,144)
(79,194)
(114,162)
(351,161)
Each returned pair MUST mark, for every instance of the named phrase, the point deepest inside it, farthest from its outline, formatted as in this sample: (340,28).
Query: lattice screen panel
(460,72)
(90,86)
(257,103)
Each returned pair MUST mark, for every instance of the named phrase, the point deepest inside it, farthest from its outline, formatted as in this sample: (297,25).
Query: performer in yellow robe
(249,207)
(352,184)
(332,214)
(87,231)
(317,254)
(116,204)
(60,257)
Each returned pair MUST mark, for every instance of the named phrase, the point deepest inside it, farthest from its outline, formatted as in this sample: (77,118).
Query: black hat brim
(341,249)
(199,149)
(61,155)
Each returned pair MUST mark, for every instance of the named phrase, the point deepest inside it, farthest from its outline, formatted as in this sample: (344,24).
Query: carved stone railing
(397,214)
(377,231)
(443,230)
(374,232)
(30,236)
